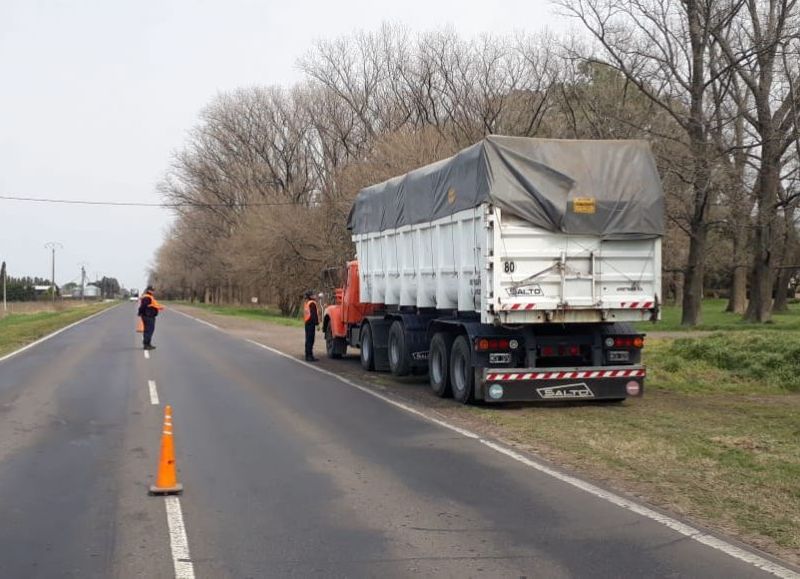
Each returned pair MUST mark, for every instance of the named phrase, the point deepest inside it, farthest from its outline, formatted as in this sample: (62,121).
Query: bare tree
(759,47)
(662,47)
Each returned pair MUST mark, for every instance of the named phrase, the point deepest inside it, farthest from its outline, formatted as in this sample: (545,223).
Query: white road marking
(682,528)
(146,355)
(179,544)
(48,336)
(151,384)
(198,320)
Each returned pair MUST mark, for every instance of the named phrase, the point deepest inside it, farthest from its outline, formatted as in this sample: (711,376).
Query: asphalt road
(288,473)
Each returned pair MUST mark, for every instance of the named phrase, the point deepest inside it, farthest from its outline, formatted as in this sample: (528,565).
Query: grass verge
(253,313)
(17,330)
(715,318)
(716,436)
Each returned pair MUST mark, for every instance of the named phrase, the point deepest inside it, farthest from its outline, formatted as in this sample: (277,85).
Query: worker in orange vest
(311,319)
(148,310)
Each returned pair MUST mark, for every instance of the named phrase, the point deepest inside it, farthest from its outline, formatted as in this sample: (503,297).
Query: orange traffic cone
(167,479)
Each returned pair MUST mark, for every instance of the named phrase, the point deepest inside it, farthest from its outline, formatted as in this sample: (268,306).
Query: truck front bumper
(554,384)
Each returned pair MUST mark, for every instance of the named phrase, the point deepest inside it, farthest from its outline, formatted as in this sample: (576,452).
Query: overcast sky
(95,95)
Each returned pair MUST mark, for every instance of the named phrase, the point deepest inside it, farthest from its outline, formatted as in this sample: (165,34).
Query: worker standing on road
(148,310)
(311,319)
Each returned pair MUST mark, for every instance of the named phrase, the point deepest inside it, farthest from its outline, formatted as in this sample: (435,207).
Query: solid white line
(674,524)
(151,384)
(179,544)
(146,355)
(48,336)
(198,320)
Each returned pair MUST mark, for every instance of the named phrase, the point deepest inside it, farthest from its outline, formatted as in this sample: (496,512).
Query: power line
(159,205)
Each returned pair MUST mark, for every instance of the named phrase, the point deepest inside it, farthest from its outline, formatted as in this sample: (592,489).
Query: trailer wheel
(439,364)
(462,376)
(399,362)
(335,347)
(367,348)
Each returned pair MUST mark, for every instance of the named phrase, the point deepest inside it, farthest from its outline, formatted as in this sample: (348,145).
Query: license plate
(499,358)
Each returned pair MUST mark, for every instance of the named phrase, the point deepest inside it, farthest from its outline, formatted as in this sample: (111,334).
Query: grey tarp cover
(534,179)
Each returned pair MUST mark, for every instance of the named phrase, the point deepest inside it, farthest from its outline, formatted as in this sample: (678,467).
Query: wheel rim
(394,351)
(365,346)
(436,366)
(459,372)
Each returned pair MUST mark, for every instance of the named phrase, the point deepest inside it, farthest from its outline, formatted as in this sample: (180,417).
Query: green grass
(716,436)
(17,330)
(729,461)
(251,312)
(735,362)
(714,317)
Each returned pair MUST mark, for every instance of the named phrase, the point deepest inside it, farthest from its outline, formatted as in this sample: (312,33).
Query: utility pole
(52,246)
(83,265)
(3,273)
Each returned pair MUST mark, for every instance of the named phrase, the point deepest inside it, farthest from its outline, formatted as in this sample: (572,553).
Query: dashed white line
(677,526)
(179,544)
(146,355)
(151,384)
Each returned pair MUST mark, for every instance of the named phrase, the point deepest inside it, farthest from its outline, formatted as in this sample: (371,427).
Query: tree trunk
(762,273)
(691,313)
(783,278)
(679,290)
(737,302)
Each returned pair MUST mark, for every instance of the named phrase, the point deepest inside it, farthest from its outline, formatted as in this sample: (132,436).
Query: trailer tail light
(624,342)
(494,344)
(548,351)
(560,351)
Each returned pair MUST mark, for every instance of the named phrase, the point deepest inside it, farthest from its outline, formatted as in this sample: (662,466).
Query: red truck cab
(345,315)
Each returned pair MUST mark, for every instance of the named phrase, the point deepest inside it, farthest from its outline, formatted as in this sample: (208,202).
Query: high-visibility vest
(307,310)
(153,302)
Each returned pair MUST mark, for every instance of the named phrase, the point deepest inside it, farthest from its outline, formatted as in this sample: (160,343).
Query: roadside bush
(771,358)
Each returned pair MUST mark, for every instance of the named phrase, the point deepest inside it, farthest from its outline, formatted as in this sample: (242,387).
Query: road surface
(288,472)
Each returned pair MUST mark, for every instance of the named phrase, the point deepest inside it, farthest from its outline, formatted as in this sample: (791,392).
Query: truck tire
(439,364)
(335,347)
(462,376)
(367,348)
(399,362)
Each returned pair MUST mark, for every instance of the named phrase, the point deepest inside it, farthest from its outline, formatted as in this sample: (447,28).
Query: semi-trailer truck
(509,272)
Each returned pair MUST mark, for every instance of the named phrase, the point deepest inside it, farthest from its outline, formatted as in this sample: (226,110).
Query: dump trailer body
(509,271)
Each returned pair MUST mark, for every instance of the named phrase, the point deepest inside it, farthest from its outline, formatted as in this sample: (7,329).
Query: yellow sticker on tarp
(583,205)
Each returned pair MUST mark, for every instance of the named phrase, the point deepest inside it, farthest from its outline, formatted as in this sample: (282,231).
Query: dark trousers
(310,331)
(149,328)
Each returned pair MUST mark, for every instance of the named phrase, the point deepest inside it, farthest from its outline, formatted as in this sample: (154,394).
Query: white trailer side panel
(509,271)
(429,265)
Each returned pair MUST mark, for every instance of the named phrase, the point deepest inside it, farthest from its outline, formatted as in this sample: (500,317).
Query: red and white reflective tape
(622,305)
(636,305)
(517,307)
(639,373)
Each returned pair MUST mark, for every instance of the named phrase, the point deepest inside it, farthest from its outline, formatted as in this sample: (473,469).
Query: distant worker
(148,310)
(311,318)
